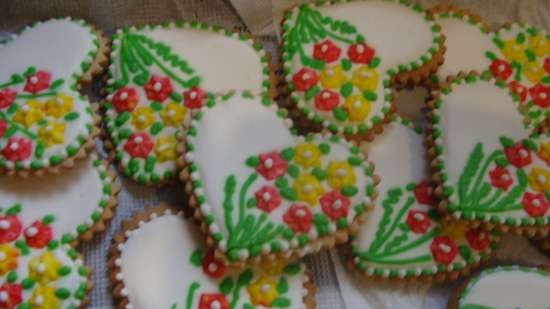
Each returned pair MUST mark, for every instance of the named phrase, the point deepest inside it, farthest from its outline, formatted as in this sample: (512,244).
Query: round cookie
(45,123)
(340,59)
(260,191)
(159,75)
(489,167)
(504,287)
(186,275)
(404,236)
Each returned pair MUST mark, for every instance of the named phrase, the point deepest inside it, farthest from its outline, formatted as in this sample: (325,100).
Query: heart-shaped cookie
(340,58)
(404,236)
(187,276)
(489,167)
(45,122)
(261,191)
(159,75)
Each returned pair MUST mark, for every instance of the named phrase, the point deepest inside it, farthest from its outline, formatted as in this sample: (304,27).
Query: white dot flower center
(360,48)
(31,231)
(268,163)
(212,267)
(2,256)
(38,300)
(542,95)
(157,86)
(536,203)
(171,113)
(40,268)
(324,48)
(215,305)
(305,76)
(59,101)
(265,288)
(418,217)
(14,146)
(141,119)
(337,204)
(307,188)
(307,154)
(3,296)
(300,213)
(541,179)
(138,140)
(523,153)
(445,248)
(193,95)
(4,224)
(266,196)
(340,172)
(124,96)
(502,68)
(325,95)
(34,80)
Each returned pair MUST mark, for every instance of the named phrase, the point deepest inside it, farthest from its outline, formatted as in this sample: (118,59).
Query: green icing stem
(242,195)
(190,294)
(17,127)
(421,240)
(35,96)
(419,259)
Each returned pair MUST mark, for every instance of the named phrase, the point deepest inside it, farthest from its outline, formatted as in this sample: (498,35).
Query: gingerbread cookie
(404,236)
(340,59)
(45,122)
(489,167)
(261,191)
(187,275)
(160,75)
(505,287)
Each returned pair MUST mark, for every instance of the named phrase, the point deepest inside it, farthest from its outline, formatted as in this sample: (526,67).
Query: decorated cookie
(45,122)
(340,59)
(488,167)
(159,76)
(505,287)
(261,191)
(186,275)
(404,236)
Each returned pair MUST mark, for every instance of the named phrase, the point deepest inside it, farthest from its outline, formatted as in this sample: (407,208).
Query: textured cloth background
(255,15)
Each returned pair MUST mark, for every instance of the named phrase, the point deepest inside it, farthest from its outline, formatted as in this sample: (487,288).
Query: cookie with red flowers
(263,193)
(186,274)
(340,59)
(159,76)
(45,122)
(404,236)
(489,166)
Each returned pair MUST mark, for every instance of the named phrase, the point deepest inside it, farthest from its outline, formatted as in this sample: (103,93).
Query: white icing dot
(359,48)
(517,47)
(193,95)
(171,113)
(14,146)
(124,95)
(25,108)
(2,256)
(266,196)
(502,68)
(307,154)
(307,188)
(163,147)
(38,300)
(31,231)
(40,268)
(541,179)
(215,305)
(268,163)
(212,267)
(444,248)
(129,306)
(337,204)
(365,74)
(300,213)
(505,177)
(157,86)
(48,129)
(330,72)
(3,296)
(536,203)
(418,217)
(324,48)
(124,292)
(4,224)
(534,69)
(265,288)
(340,172)
(325,95)
(138,140)
(542,95)
(305,76)
(59,101)
(523,153)
(141,119)
(34,80)
(357,104)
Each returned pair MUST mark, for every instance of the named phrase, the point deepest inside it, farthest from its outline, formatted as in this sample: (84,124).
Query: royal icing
(338,63)
(159,75)
(44,120)
(262,190)
(489,167)
(507,287)
(404,235)
(166,241)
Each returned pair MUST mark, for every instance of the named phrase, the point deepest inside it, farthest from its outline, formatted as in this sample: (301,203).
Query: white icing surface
(510,289)
(157,272)
(466,47)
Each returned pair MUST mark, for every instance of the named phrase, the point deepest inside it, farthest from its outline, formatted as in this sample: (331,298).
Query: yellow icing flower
(142,117)
(60,105)
(455,230)
(544,152)
(332,77)
(539,179)
(307,155)
(165,149)
(365,78)
(357,107)
(29,113)
(43,297)
(539,44)
(514,51)
(44,268)
(533,71)
(340,174)
(272,268)
(9,258)
(308,189)
(263,291)
(52,134)
(173,114)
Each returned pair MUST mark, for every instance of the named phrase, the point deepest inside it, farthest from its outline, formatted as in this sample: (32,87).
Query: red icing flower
(10,228)
(193,98)
(158,88)
(326,51)
(500,178)
(298,218)
(540,95)
(267,198)
(125,99)
(519,89)
(418,221)
(443,249)
(501,69)
(139,145)
(326,100)
(11,295)
(335,205)
(547,65)
(211,267)
(38,82)
(213,301)
(7,96)
(271,165)
(304,79)
(424,193)
(535,204)
(518,155)
(38,235)
(17,149)
(3,127)
(478,239)
(360,53)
